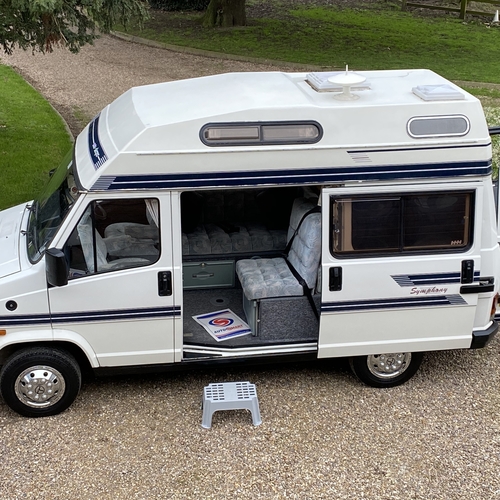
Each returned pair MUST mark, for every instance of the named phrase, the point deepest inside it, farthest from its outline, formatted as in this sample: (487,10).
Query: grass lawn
(377,36)
(33,139)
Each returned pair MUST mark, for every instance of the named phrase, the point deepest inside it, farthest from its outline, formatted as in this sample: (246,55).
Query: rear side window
(400,224)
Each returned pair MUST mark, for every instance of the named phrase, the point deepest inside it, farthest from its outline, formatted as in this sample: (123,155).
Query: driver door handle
(165,283)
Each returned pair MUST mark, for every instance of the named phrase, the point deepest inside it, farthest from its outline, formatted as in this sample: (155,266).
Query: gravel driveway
(324,435)
(81,85)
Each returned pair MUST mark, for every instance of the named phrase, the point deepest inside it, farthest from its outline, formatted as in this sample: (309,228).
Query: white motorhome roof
(155,130)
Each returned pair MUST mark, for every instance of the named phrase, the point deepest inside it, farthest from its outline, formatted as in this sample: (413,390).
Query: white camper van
(255,216)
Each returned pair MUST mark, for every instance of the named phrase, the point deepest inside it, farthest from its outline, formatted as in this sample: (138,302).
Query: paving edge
(214,55)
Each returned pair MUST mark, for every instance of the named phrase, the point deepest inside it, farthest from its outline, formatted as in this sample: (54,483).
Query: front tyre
(386,370)
(40,381)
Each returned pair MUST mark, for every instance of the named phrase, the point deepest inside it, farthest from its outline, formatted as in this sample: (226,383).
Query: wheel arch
(72,348)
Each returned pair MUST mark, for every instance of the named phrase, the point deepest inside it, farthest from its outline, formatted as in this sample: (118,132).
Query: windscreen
(50,208)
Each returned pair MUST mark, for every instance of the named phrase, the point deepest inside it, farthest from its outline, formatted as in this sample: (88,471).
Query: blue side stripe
(406,302)
(424,148)
(91,316)
(291,176)
(430,279)
(114,315)
(32,319)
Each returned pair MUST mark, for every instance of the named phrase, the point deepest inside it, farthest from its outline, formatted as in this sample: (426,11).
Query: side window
(114,235)
(437,221)
(401,224)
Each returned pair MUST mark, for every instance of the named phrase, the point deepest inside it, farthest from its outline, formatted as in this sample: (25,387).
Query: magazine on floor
(223,325)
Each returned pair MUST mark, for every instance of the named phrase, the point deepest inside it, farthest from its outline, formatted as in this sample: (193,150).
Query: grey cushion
(300,207)
(264,278)
(261,278)
(84,229)
(305,252)
(211,239)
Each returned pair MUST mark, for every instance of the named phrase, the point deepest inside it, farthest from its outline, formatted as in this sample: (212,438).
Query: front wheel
(39,381)
(386,370)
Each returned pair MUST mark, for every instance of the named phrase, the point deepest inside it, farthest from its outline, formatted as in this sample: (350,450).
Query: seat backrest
(305,252)
(299,208)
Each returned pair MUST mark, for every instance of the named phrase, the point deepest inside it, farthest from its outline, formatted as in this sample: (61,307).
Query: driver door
(119,297)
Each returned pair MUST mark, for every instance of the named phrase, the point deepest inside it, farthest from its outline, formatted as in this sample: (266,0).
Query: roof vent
(326,81)
(443,92)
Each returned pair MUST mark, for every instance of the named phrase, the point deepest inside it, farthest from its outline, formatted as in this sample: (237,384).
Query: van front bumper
(482,338)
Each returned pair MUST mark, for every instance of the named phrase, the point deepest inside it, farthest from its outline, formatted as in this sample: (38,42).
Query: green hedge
(174,5)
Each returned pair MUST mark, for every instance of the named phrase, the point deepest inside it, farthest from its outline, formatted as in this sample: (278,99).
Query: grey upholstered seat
(129,239)
(264,278)
(84,229)
(299,208)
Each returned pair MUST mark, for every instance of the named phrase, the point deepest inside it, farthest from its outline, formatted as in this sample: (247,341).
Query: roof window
(260,133)
(438,126)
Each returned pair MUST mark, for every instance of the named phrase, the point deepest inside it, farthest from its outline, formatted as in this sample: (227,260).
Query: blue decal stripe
(292,176)
(32,319)
(424,148)
(96,151)
(115,315)
(430,279)
(406,302)
(111,315)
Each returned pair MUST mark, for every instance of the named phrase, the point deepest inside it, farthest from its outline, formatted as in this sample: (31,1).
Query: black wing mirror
(56,267)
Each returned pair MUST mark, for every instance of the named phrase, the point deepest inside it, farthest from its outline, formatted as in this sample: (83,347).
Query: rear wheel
(386,370)
(39,381)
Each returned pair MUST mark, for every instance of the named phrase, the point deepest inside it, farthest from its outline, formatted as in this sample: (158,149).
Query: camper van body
(174,191)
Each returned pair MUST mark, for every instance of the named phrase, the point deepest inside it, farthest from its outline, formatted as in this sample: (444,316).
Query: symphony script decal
(427,290)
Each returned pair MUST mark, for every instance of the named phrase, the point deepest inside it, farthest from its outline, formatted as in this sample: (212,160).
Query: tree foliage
(225,13)
(41,24)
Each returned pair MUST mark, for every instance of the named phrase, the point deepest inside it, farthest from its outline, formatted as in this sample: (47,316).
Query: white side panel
(398,302)
(23,302)
(375,332)
(95,305)
(120,314)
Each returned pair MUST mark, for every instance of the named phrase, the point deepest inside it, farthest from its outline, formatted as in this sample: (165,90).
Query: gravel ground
(324,435)
(80,85)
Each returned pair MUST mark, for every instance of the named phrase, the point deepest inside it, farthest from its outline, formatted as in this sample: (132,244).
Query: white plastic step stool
(230,396)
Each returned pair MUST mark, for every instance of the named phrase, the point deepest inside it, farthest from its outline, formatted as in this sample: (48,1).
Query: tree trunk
(225,13)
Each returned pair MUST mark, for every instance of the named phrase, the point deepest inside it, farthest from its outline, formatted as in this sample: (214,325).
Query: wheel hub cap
(389,365)
(40,386)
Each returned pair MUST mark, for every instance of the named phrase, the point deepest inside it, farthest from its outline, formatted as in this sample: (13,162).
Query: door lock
(335,284)
(467,275)
(164,283)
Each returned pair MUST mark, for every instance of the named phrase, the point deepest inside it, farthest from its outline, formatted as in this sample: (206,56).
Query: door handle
(482,286)
(335,283)
(164,283)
